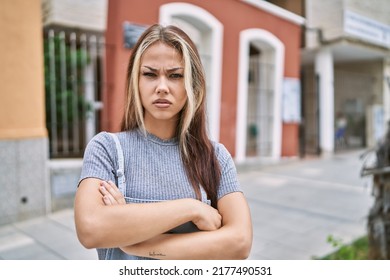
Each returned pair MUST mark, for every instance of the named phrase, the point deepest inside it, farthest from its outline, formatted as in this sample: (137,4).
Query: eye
(176,76)
(149,74)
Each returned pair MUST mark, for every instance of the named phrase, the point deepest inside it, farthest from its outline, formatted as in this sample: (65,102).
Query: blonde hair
(191,130)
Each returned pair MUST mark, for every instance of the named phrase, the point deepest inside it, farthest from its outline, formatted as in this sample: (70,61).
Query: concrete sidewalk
(295,206)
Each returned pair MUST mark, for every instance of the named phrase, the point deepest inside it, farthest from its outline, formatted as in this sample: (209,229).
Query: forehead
(160,54)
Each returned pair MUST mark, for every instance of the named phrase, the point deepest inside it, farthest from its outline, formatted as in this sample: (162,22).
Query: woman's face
(161,84)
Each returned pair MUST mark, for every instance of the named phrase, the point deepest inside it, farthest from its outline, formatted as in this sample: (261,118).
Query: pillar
(324,69)
(23,135)
(386,91)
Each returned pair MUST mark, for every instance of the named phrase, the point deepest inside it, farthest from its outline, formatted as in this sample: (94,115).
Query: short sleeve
(229,180)
(100,159)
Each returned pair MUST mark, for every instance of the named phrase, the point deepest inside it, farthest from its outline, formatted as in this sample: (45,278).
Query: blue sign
(131,33)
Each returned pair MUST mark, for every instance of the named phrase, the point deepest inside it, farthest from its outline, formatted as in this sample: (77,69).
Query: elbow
(243,246)
(86,241)
(87,233)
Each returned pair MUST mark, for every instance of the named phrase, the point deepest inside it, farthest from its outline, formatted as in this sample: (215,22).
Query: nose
(162,86)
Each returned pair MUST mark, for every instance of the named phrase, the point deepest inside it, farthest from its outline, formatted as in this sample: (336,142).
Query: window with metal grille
(74,83)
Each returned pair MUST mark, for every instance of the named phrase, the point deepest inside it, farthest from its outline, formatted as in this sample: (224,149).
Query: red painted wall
(235,16)
(119,11)
(290,139)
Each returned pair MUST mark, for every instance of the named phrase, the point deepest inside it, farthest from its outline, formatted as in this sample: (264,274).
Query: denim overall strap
(204,195)
(121,165)
(116,253)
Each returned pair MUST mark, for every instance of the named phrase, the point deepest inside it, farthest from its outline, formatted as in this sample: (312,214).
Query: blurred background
(285,79)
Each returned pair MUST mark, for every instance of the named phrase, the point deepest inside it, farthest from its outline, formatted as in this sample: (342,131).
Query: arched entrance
(206,32)
(259,95)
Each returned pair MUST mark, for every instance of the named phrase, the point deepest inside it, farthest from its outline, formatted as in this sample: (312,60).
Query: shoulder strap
(204,195)
(121,164)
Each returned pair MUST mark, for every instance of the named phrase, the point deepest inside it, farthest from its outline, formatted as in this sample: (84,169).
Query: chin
(163,117)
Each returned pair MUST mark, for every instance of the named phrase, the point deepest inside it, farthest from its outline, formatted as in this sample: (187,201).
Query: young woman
(174,174)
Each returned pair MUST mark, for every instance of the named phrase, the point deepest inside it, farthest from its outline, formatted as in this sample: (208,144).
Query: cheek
(183,97)
(144,89)
(142,86)
(142,96)
(181,92)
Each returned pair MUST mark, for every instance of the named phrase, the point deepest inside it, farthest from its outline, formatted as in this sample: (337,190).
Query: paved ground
(295,206)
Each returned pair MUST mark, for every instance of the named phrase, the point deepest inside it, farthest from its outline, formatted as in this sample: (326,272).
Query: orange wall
(235,17)
(22,109)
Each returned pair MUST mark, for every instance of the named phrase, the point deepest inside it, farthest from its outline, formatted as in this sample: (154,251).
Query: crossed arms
(103,220)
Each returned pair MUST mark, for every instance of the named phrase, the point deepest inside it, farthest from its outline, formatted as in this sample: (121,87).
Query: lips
(162,103)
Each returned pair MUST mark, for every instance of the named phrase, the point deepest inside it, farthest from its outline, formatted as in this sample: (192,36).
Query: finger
(116,193)
(111,187)
(112,184)
(113,193)
(107,200)
(217,220)
(103,190)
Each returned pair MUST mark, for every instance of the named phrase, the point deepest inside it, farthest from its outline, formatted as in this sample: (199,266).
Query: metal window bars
(74,82)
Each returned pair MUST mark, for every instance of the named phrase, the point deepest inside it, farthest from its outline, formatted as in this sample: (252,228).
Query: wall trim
(277,11)
(185,10)
(275,53)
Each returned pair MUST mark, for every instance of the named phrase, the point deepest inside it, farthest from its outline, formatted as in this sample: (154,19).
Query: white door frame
(205,20)
(273,50)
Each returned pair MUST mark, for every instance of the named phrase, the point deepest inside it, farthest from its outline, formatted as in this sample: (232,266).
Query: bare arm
(232,241)
(98,225)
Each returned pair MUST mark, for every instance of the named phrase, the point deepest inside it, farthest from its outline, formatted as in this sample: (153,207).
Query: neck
(162,129)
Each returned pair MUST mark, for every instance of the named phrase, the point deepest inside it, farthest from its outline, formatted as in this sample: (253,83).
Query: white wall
(85,14)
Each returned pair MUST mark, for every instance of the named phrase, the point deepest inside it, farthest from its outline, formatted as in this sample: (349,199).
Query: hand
(207,217)
(111,193)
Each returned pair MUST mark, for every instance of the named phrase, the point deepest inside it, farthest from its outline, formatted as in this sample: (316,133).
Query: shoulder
(220,148)
(100,143)
(222,154)
(102,138)
(106,138)
(105,141)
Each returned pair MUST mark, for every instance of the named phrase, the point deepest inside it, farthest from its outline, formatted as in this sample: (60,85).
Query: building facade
(345,71)
(74,52)
(72,58)
(251,53)
(23,135)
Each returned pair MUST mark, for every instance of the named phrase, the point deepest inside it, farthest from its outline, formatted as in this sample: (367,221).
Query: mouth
(162,103)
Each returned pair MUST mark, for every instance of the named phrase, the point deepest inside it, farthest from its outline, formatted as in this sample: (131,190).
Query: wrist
(193,209)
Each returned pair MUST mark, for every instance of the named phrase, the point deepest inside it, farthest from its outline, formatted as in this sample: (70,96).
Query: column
(386,91)
(324,69)
(23,136)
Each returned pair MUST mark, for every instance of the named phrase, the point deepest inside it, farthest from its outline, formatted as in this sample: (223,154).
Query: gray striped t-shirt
(153,167)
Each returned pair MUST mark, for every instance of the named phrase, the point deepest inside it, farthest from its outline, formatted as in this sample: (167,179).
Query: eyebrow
(168,70)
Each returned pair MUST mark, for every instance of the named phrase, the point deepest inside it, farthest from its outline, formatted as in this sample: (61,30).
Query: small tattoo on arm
(156,254)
